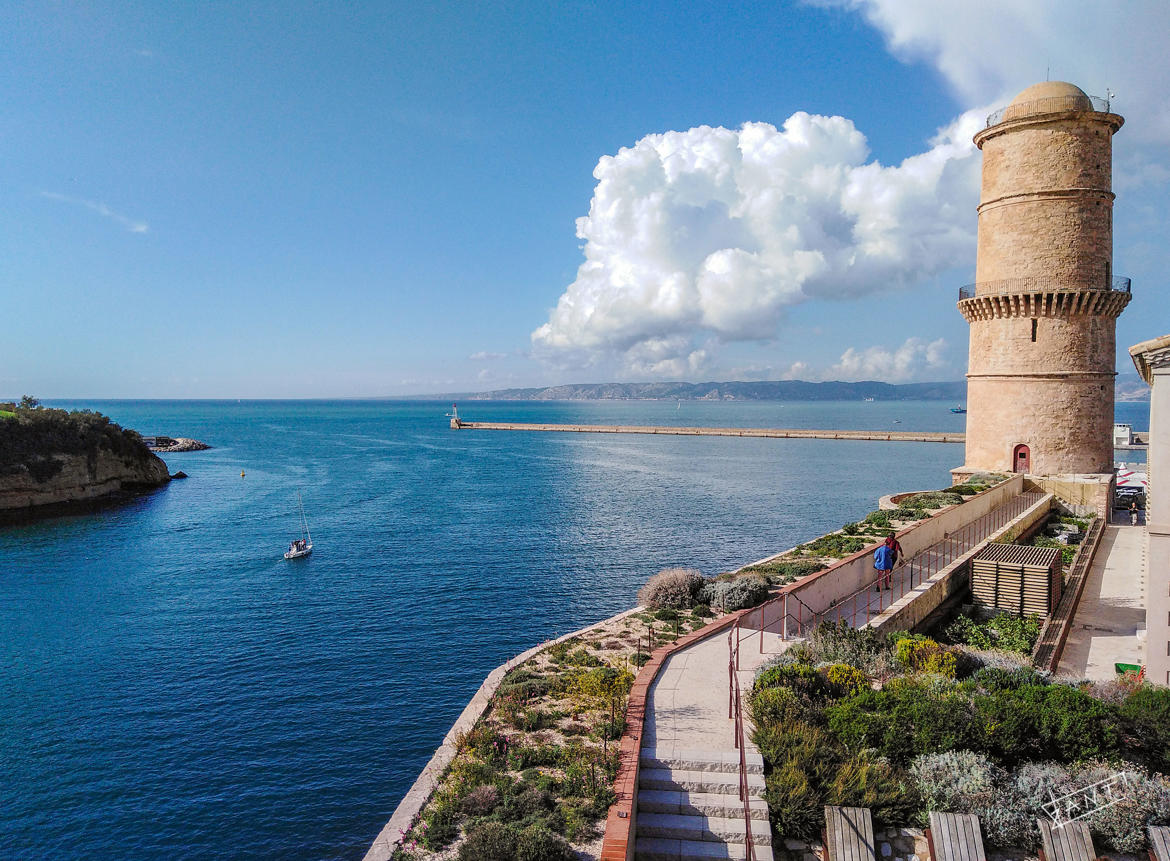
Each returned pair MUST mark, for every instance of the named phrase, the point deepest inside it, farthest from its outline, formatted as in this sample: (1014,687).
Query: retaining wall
(819,590)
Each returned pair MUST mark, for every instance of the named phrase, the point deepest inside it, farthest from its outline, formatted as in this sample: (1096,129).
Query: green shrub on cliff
(38,434)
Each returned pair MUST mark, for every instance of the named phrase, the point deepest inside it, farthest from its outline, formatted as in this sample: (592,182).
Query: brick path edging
(618,844)
(428,780)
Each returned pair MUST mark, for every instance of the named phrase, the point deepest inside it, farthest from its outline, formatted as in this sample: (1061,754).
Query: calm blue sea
(171,687)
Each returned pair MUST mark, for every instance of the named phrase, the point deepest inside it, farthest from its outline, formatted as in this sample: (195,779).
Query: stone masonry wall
(1062,420)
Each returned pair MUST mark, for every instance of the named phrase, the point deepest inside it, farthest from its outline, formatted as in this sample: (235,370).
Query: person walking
(1133,513)
(895,557)
(883,562)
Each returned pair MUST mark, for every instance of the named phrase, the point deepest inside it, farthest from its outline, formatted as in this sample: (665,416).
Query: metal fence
(793,618)
(1036,285)
(1051,105)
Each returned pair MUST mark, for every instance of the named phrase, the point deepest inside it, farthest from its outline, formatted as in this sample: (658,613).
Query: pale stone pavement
(687,706)
(1105,629)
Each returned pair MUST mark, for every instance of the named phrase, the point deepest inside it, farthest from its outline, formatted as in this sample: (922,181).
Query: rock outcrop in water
(51,458)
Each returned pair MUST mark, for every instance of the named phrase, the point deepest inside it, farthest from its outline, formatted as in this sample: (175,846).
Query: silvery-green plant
(955,781)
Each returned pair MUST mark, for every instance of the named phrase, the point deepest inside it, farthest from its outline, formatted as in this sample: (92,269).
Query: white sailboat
(302,546)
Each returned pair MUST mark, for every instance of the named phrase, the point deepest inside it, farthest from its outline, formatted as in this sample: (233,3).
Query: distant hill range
(1129,387)
(778,390)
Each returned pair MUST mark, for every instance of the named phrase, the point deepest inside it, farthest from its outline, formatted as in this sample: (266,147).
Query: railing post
(784,620)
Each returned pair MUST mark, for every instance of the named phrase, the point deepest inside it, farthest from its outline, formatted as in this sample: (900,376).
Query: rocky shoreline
(182,443)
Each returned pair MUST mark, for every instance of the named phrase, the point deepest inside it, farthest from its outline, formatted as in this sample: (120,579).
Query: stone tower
(1044,310)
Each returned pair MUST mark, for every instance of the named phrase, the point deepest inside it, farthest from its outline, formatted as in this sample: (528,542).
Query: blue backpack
(883,558)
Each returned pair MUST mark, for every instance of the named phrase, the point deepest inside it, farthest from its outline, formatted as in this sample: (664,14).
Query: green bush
(851,528)
(489,841)
(920,654)
(801,679)
(1067,551)
(666,614)
(865,781)
(794,803)
(845,680)
(539,844)
(440,824)
(702,611)
(905,512)
(878,518)
(864,648)
(903,721)
(777,706)
(1003,631)
(671,587)
(1147,712)
(933,499)
(834,544)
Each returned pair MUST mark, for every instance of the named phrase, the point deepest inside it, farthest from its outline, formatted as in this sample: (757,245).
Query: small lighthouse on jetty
(1043,311)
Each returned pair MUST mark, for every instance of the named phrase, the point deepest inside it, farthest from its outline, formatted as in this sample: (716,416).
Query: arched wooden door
(1021,459)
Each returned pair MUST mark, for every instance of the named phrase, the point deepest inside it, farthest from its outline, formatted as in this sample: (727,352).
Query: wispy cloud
(131,224)
(485,355)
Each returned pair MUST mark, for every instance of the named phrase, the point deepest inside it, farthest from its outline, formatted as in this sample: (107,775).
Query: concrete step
(701,760)
(712,782)
(699,803)
(708,829)
(658,849)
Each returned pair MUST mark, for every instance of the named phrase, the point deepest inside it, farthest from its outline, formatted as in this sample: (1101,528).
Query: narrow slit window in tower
(1033,328)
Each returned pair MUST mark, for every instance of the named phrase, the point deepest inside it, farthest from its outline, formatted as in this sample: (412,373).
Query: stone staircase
(689,807)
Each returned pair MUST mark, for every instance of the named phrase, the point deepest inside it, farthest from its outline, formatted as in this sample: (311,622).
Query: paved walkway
(687,706)
(1105,629)
(688,702)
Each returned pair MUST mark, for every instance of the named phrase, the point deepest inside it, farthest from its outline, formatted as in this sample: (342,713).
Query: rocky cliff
(82,478)
(51,457)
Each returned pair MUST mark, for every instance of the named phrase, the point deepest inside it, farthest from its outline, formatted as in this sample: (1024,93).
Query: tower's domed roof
(1046,98)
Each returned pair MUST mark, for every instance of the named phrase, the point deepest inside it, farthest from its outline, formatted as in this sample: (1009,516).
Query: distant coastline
(1128,388)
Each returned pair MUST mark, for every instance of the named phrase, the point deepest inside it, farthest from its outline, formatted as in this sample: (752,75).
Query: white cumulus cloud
(993,49)
(704,237)
(915,360)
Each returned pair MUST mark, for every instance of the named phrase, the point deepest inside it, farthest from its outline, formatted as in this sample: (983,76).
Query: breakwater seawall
(772,433)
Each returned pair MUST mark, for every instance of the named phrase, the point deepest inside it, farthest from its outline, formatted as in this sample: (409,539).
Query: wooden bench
(955,837)
(1069,842)
(849,834)
(1159,842)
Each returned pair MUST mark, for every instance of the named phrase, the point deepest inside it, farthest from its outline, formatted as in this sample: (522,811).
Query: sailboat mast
(304,520)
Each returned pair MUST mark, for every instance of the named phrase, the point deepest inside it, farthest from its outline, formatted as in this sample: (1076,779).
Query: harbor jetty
(772,433)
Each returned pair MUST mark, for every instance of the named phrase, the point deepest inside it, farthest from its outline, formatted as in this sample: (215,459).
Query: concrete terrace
(1109,625)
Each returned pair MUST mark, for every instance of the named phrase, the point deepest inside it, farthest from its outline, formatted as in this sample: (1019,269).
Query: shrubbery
(673,588)
(991,744)
(746,591)
(834,544)
(30,440)
(785,570)
(1002,631)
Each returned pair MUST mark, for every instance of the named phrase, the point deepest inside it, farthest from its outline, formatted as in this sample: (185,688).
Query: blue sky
(331,200)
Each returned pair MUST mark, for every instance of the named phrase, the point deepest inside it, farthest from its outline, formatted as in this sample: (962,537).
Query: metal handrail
(735,712)
(1036,285)
(855,612)
(1050,105)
